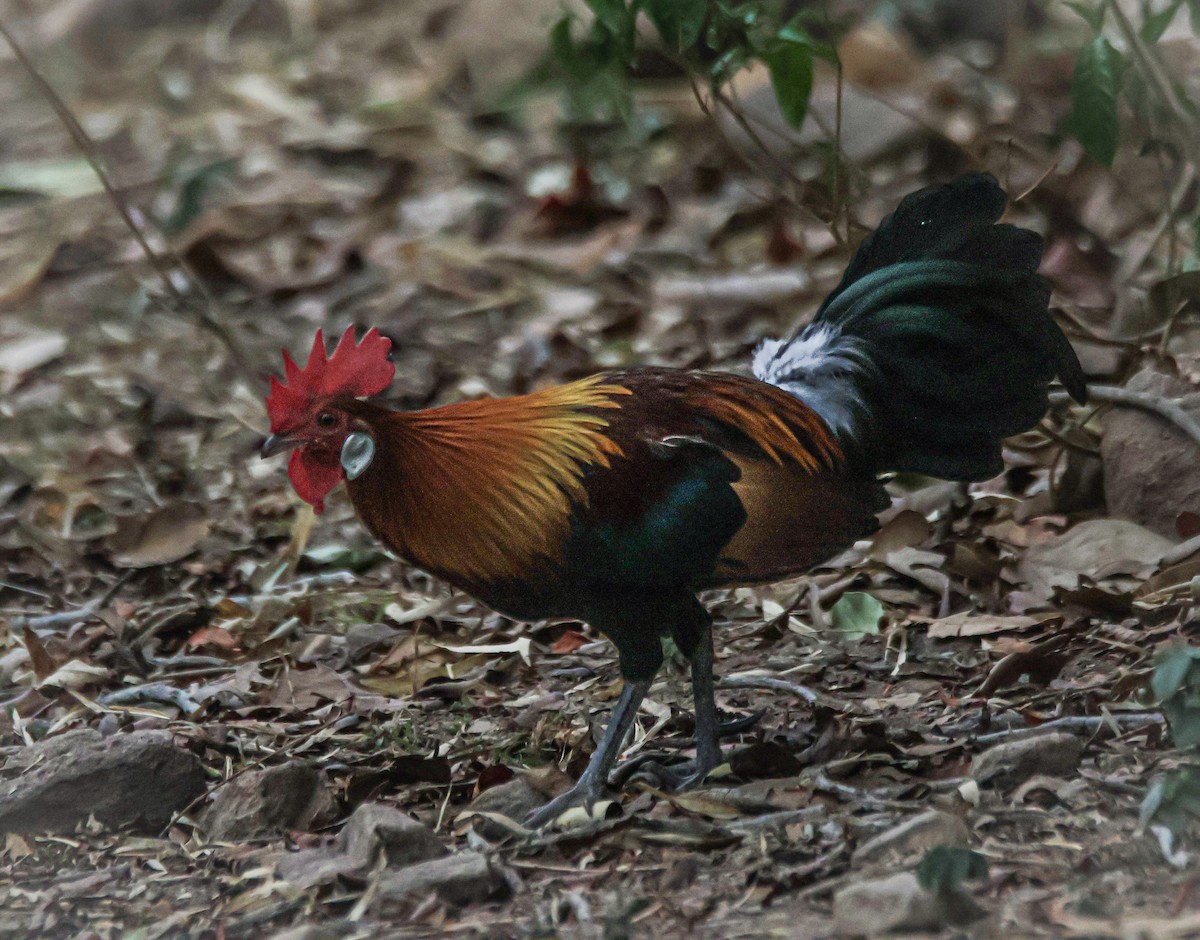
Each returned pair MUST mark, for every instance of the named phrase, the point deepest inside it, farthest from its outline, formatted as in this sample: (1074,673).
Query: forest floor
(342,162)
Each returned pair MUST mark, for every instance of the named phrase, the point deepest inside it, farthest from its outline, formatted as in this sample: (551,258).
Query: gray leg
(708,748)
(591,784)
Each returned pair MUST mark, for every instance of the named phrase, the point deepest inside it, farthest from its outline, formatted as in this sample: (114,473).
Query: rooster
(615,499)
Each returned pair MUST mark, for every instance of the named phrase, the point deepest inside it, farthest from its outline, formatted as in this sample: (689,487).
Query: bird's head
(311,416)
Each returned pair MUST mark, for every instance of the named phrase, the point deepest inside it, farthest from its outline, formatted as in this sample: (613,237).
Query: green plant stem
(1157,78)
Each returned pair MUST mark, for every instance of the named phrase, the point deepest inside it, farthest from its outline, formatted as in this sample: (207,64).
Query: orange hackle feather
(482,491)
(780,424)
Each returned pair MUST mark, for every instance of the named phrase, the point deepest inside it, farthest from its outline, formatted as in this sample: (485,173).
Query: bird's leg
(591,782)
(708,746)
(695,639)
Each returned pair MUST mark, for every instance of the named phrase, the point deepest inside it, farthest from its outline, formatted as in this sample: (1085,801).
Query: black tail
(938,342)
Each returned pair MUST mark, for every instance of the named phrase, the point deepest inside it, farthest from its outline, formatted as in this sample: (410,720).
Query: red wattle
(314,477)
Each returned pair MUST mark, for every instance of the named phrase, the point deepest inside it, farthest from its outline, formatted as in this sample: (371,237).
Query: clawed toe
(583,796)
(674,778)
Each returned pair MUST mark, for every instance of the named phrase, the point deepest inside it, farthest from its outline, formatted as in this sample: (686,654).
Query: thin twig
(87,148)
(737,151)
(812,696)
(1089,723)
(781,818)
(1163,407)
(1158,79)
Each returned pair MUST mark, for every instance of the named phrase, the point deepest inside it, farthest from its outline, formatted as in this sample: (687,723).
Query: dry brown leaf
(569,642)
(906,529)
(25,260)
(75,674)
(969,623)
(1096,548)
(41,661)
(160,537)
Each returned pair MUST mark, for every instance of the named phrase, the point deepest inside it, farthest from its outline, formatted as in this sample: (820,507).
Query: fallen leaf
(969,623)
(75,674)
(39,659)
(26,353)
(569,642)
(158,538)
(906,529)
(213,636)
(23,261)
(1096,548)
(856,615)
(519,646)
(67,178)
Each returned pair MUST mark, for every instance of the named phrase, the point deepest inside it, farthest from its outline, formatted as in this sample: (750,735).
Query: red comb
(355,369)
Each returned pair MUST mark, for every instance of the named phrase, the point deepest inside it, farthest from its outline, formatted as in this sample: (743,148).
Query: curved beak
(278,444)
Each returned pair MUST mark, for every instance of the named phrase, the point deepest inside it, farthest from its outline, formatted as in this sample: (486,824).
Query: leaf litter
(158,576)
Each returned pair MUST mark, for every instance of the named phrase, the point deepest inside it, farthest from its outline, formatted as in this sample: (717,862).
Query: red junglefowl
(614,499)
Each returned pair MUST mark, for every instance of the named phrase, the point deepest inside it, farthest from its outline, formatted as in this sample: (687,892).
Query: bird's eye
(326,420)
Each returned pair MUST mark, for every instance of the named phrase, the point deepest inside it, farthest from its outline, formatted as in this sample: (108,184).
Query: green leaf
(619,22)
(944,868)
(562,47)
(1171,668)
(856,615)
(791,67)
(1173,800)
(1092,13)
(679,22)
(612,14)
(1194,14)
(1093,120)
(1183,716)
(1155,24)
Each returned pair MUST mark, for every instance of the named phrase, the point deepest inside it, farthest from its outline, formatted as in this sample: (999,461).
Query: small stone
(376,827)
(372,829)
(915,836)
(867,908)
(317,866)
(139,779)
(515,799)
(267,802)
(1150,464)
(466,878)
(1007,764)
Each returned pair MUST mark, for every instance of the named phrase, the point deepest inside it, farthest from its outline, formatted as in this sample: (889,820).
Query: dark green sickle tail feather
(938,342)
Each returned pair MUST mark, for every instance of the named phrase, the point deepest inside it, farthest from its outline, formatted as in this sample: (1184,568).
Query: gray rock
(51,750)
(915,836)
(867,908)
(139,779)
(377,827)
(267,802)
(1007,764)
(466,878)
(317,866)
(515,799)
(373,828)
(1149,464)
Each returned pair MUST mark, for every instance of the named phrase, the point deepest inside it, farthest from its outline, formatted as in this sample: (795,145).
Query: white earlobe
(357,453)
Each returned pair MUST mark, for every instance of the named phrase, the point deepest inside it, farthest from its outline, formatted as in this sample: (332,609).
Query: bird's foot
(584,795)
(736,726)
(674,778)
